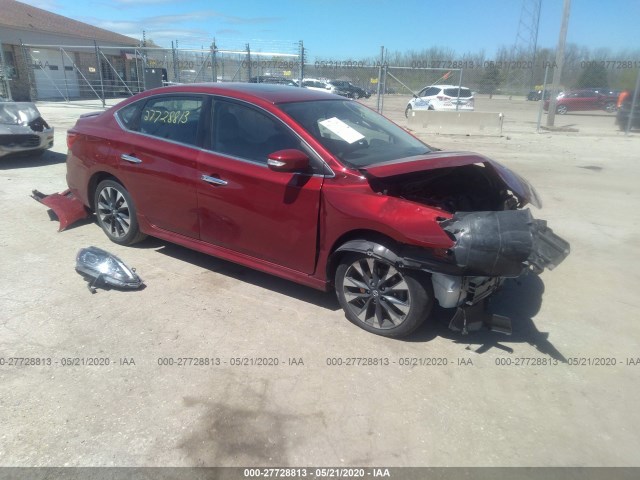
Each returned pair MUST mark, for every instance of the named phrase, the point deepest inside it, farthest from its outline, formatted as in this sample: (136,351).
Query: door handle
(130,158)
(213,180)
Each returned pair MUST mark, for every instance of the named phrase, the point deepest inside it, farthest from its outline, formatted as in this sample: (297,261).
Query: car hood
(520,187)
(18,113)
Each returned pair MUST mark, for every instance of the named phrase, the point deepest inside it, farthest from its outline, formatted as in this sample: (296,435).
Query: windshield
(354,134)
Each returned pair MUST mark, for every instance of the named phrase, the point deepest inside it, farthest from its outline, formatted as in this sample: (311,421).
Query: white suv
(441,97)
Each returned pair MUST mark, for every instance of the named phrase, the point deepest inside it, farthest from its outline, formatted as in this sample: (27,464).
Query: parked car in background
(23,130)
(584,99)
(347,89)
(622,118)
(536,95)
(314,188)
(274,80)
(442,97)
(315,84)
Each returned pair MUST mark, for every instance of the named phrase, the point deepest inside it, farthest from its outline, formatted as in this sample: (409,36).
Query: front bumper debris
(470,318)
(503,243)
(68,208)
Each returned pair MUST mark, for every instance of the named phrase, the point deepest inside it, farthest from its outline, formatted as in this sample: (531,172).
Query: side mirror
(290,160)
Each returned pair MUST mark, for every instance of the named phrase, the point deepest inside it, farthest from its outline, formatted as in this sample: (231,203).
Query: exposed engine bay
(469,188)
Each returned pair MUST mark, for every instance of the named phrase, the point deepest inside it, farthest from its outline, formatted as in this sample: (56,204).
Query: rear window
(453,92)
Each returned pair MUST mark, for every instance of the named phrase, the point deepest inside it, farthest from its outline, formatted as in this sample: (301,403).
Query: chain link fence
(5,74)
(104,72)
(392,84)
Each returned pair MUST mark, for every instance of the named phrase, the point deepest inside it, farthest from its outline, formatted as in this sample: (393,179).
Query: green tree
(593,75)
(490,80)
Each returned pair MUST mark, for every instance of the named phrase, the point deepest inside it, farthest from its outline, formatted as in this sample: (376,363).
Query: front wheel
(381,299)
(561,109)
(611,107)
(116,213)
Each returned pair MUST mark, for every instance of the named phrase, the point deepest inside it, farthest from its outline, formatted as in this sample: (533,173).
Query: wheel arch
(94,181)
(371,239)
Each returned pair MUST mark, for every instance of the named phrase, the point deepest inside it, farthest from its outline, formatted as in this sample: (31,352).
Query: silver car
(22,129)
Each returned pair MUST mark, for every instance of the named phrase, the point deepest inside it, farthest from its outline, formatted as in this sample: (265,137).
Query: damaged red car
(314,188)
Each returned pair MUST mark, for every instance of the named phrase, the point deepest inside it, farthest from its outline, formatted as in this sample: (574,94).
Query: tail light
(71,138)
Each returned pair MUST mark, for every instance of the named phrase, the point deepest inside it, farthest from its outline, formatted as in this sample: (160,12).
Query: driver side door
(245,206)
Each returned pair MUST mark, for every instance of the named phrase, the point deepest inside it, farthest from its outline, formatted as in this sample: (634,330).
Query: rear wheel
(116,213)
(610,107)
(380,298)
(407,111)
(561,109)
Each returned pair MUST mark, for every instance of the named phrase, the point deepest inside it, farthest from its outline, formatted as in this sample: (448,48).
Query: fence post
(248,62)
(634,102)
(214,71)
(557,73)
(33,95)
(143,59)
(459,87)
(64,71)
(99,67)
(176,77)
(378,104)
(4,78)
(301,59)
(544,89)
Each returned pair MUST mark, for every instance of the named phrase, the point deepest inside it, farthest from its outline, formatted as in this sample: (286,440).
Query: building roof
(21,16)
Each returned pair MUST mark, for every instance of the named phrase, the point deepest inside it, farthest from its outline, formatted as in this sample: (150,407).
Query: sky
(342,30)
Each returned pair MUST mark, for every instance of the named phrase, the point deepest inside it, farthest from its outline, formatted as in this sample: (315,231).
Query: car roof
(268,92)
(447,86)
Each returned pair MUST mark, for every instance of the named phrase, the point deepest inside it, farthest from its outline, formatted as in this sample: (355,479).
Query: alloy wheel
(376,293)
(113,211)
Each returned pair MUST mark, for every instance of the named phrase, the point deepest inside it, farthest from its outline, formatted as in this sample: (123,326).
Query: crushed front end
(22,129)
(479,204)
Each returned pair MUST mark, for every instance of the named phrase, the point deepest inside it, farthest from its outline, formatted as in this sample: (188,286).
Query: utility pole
(557,72)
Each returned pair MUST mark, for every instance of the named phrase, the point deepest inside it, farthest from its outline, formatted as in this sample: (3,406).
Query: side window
(130,115)
(244,132)
(173,118)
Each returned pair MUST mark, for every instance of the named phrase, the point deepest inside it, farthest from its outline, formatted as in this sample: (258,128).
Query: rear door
(247,207)
(157,158)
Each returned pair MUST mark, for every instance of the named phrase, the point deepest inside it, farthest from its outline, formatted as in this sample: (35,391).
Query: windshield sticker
(344,131)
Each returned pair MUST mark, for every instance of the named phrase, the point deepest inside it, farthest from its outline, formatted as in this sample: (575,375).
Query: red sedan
(580,100)
(314,188)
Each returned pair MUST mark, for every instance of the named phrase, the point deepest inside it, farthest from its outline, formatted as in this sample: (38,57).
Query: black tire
(611,107)
(116,213)
(382,299)
(561,109)
(407,110)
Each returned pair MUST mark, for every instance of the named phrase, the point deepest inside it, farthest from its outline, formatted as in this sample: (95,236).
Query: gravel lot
(561,391)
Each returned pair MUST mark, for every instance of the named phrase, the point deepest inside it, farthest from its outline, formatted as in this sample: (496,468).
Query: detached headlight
(101,266)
